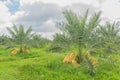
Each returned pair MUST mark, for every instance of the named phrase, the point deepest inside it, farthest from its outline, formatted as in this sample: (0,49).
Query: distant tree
(3,39)
(109,36)
(60,42)
(39,41)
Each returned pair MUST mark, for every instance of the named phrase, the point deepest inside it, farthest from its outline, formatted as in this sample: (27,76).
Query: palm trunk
(21,47)
(80,56)
(80,50)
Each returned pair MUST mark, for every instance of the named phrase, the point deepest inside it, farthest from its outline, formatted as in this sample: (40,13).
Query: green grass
(41,65)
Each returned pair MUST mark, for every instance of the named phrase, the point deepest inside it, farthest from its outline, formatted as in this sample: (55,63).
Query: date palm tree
(109,36)
(39,41)
(80,30)
(20,36)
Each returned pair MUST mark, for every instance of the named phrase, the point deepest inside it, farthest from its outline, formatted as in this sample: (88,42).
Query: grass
(41,65)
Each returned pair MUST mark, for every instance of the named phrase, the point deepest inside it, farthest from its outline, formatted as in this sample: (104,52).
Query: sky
(43,15)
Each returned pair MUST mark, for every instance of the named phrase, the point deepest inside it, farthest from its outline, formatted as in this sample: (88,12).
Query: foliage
(60,42)
(3,39)
(91,64)
(38,41)
(40,65)
(19,36)
(79,31)
(109,37)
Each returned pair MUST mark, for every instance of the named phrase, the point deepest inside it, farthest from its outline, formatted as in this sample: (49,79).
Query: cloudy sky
(44,14)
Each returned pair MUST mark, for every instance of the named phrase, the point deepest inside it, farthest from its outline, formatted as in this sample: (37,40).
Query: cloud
(5,18)
(48,26)
(81,8)
(40,12)
(70,2)
(57,2)
(42,16)
(4,13)
(110,9)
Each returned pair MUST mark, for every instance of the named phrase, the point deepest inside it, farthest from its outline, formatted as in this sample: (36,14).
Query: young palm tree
(20,36)
(60,42)
(80,30)
(109,36)
(3,39)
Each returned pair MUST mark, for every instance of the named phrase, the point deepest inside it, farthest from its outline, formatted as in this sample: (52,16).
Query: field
(84,49)
(42,65)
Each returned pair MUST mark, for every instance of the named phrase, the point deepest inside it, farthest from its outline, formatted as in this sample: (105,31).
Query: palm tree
(60,42)
(39,41)
(80,30)
(20,36)
(3,39)
(109,36)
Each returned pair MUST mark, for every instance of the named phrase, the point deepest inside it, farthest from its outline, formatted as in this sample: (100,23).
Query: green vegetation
(41,65)
(95,47)
(19,36)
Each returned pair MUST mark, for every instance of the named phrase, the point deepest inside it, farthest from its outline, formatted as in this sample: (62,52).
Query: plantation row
(84,36)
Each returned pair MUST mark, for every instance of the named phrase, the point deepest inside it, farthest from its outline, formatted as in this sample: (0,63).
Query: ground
(42,65)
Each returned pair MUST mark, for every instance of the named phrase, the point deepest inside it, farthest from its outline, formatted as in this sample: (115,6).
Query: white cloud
(4,13)
(49,26)
(24,2)
(42,16)
(60,2)
(80,8)
(111,9)
(5,18)
(48,35)
(7,2)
